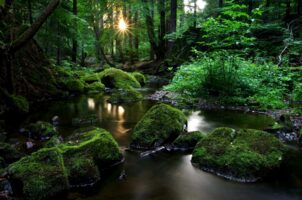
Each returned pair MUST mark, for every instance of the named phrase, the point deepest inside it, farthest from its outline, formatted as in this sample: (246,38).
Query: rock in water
(160,125)
(242,155)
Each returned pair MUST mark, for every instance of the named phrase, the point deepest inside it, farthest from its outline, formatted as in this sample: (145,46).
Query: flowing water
(164,175)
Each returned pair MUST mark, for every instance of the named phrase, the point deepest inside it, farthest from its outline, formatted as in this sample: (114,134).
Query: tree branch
(33,29)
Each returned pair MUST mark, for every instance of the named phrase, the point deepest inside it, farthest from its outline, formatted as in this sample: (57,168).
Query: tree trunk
(287,11)
(195,14)
(220,3)
(136,36)
(299,8)
(74,41)
(33,29)
(162,28)
(173,22)
(250,7)
(30,15)
(266,12)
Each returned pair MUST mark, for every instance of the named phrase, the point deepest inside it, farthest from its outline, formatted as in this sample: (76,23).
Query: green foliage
(241,154)
(20,103)
(231,79)
(297,93)
(161,124)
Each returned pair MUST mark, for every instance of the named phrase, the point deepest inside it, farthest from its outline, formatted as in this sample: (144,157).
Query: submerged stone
(160,125)
(125,96)
(187,141)
(242,155)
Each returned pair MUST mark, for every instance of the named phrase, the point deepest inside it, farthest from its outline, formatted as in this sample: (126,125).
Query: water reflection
(196,122)
(91,103)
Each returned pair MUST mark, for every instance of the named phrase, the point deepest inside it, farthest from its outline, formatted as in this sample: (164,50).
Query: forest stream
(163,175)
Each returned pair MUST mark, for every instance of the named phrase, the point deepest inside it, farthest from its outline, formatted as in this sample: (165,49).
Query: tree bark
(33,29)
(250,7)
(299,8)
(162,28)
(287,11)
(173,22)
(74,41)
(30,15)
(220,3)
(266,12)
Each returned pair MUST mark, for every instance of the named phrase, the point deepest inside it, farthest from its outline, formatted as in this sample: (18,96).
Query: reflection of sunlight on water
(121,111)
(196,122)
(91,103)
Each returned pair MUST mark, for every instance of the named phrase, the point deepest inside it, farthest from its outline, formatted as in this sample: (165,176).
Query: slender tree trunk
(250,7)
(74,40)
(30,15)
(266,12)
(58,53)
(173,22)
(287,11)
(136,37)
(299,8)
(220,3)
(195,14)
(162,27)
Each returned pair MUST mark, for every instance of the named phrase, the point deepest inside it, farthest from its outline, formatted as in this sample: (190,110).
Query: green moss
(96,86)
(162,123)
(20,103)
(297,93)
(188,140)
(42,130)
(97,143)
(139,77)
(241,154)
(42,175)
(126,96)
(73,85)
(91,78)
(118,79)
(81,170)
(53,142)
(9,153)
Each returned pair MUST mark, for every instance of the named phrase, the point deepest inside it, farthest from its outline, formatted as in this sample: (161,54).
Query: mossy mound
(243,155)
(117,79)
(187,141)
(139,77)
(42,130)
(160,125)
(91,78)
(53,142)
(9,153)
(73,85)
(94,87)
(41,175)
(50,171)
(97,143)
(81,170)
(126,96)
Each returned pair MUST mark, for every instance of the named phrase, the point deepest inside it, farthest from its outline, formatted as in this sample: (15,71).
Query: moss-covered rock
(73,85)
(91,78)
(42,130)
(96,86)
(51,171)
(81,170)
(139,77)
(41,175)
(118,79)
(9,153)
(97,143)
(53,142)
(187,141)
(126,96)
(161,124)
(243,155)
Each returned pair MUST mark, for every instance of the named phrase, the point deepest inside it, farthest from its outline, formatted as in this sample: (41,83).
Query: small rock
(29,145)
(55,120)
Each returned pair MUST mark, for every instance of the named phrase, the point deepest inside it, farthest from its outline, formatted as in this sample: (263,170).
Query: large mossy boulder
(96,143)
(94,87)
(187,141)
(160,125)
(42,130)
(118,79)
(77,163)
(242,155)
(73,85)
(41,175)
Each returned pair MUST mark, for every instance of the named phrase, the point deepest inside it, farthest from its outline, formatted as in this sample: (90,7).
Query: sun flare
(122,25)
